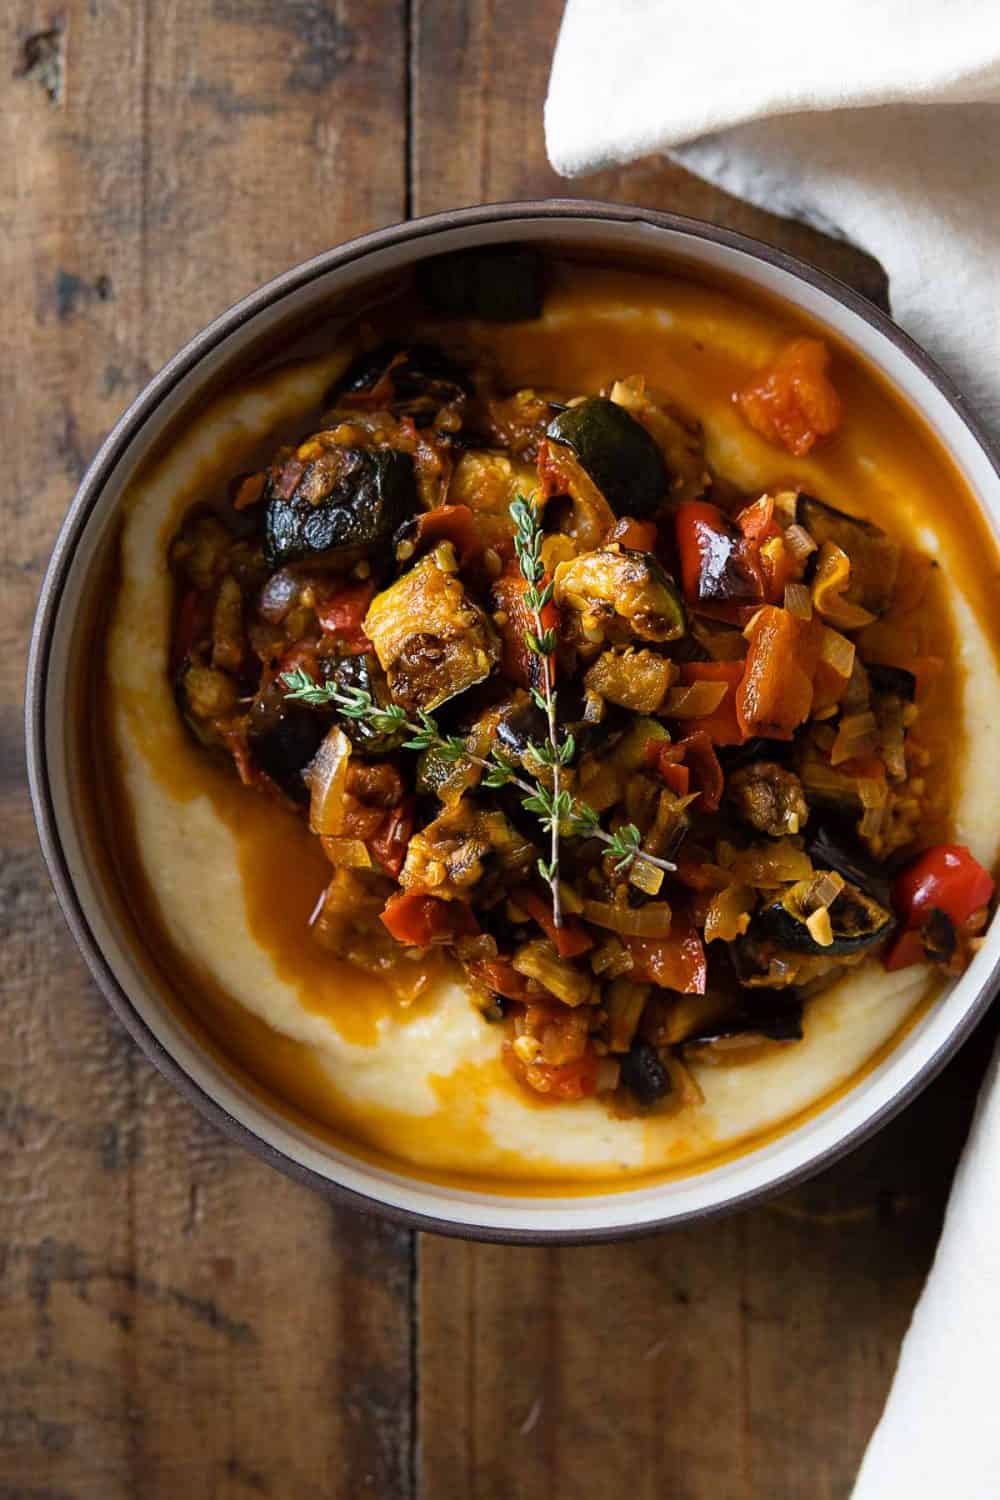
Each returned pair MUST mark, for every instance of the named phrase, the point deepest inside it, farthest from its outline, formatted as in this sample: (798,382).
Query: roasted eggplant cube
(874,558)
(831,846)
(622,595)
(363,672)
(346,499)
(644,1074)
(857,922)
(498,286)
(284,751)
(616,452)
(431,640)
(412,380)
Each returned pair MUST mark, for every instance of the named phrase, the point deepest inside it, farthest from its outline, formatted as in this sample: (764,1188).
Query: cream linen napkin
(878,121)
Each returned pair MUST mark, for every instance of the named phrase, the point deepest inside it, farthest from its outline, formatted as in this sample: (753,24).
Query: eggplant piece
(437,775)
(644,1074)
(892,682)
(284,751)
(621,594)
(732,757)
(858,923)
(498,286)
(363,672)
(833,847)
(874,558)
(617,454)
(764,1015)
(409,380)
(431,640)
(520,725)
(347,498)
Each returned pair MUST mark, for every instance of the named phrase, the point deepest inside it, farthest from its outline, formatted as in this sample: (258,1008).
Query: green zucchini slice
(616,452)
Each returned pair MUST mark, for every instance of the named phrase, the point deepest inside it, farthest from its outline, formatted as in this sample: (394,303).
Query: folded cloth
(875,120)
(878,121)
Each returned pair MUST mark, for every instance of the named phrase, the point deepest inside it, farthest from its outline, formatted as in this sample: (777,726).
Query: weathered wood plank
(177,1319)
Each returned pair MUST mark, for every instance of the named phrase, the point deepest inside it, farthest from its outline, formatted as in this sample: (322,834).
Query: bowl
(84,880)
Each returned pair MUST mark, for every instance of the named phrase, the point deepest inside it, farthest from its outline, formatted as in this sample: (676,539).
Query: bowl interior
(63,643)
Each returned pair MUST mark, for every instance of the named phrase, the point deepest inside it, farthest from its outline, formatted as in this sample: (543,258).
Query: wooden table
(177,1319)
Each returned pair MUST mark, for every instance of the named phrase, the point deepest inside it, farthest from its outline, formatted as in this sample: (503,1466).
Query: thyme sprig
(577,819)
(552,807)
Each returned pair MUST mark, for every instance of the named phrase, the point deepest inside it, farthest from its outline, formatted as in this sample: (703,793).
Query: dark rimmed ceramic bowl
(66,834)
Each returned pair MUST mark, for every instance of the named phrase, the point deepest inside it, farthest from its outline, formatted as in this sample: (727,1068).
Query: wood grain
(177,1319)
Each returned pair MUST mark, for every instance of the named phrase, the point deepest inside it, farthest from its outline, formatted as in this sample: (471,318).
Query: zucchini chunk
(617,454)
(498,286)
(346,498)
(619,594)
(874,558)
(857,923)
(431,640)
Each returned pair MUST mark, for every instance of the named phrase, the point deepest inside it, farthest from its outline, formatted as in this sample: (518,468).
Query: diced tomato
(945,877)
(637,536)
(792,402)
(450,523)
(519,662)
(500,977)
(422,921)
(714,569)
(248,491)
(570,939)
(674,963)
(722,725)
(776,691)
(343,615)
(563,1081)
(390,843)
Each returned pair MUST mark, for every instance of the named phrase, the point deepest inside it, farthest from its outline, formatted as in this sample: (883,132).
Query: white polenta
(190,861)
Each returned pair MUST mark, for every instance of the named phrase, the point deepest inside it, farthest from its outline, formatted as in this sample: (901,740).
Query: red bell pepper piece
(450,523)
(571,939)
(422,921)
(343,615)
(676,962)
(637,536)
(676,763)
(668,763)
(714,569)
(945,877)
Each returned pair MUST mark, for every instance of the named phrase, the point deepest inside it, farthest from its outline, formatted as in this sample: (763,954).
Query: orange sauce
(885,465)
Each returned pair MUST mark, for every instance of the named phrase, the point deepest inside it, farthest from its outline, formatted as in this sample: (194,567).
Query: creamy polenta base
(231,878)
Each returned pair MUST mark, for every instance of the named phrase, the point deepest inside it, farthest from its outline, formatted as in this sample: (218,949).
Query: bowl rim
(98,472)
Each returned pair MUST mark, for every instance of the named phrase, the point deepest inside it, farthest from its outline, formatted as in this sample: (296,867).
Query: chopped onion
(799,543)
(649,921)
(830,582)
(838,652)
(349,854)
(624,1003)
(608,1074)
(278,595)
(645,877)
(694,702)
(539,960)
(855,736)
(773,864)
(798,601)
(728,915)
(326,776)
(611,959)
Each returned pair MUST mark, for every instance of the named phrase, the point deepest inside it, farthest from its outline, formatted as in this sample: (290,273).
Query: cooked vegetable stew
(561,703)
